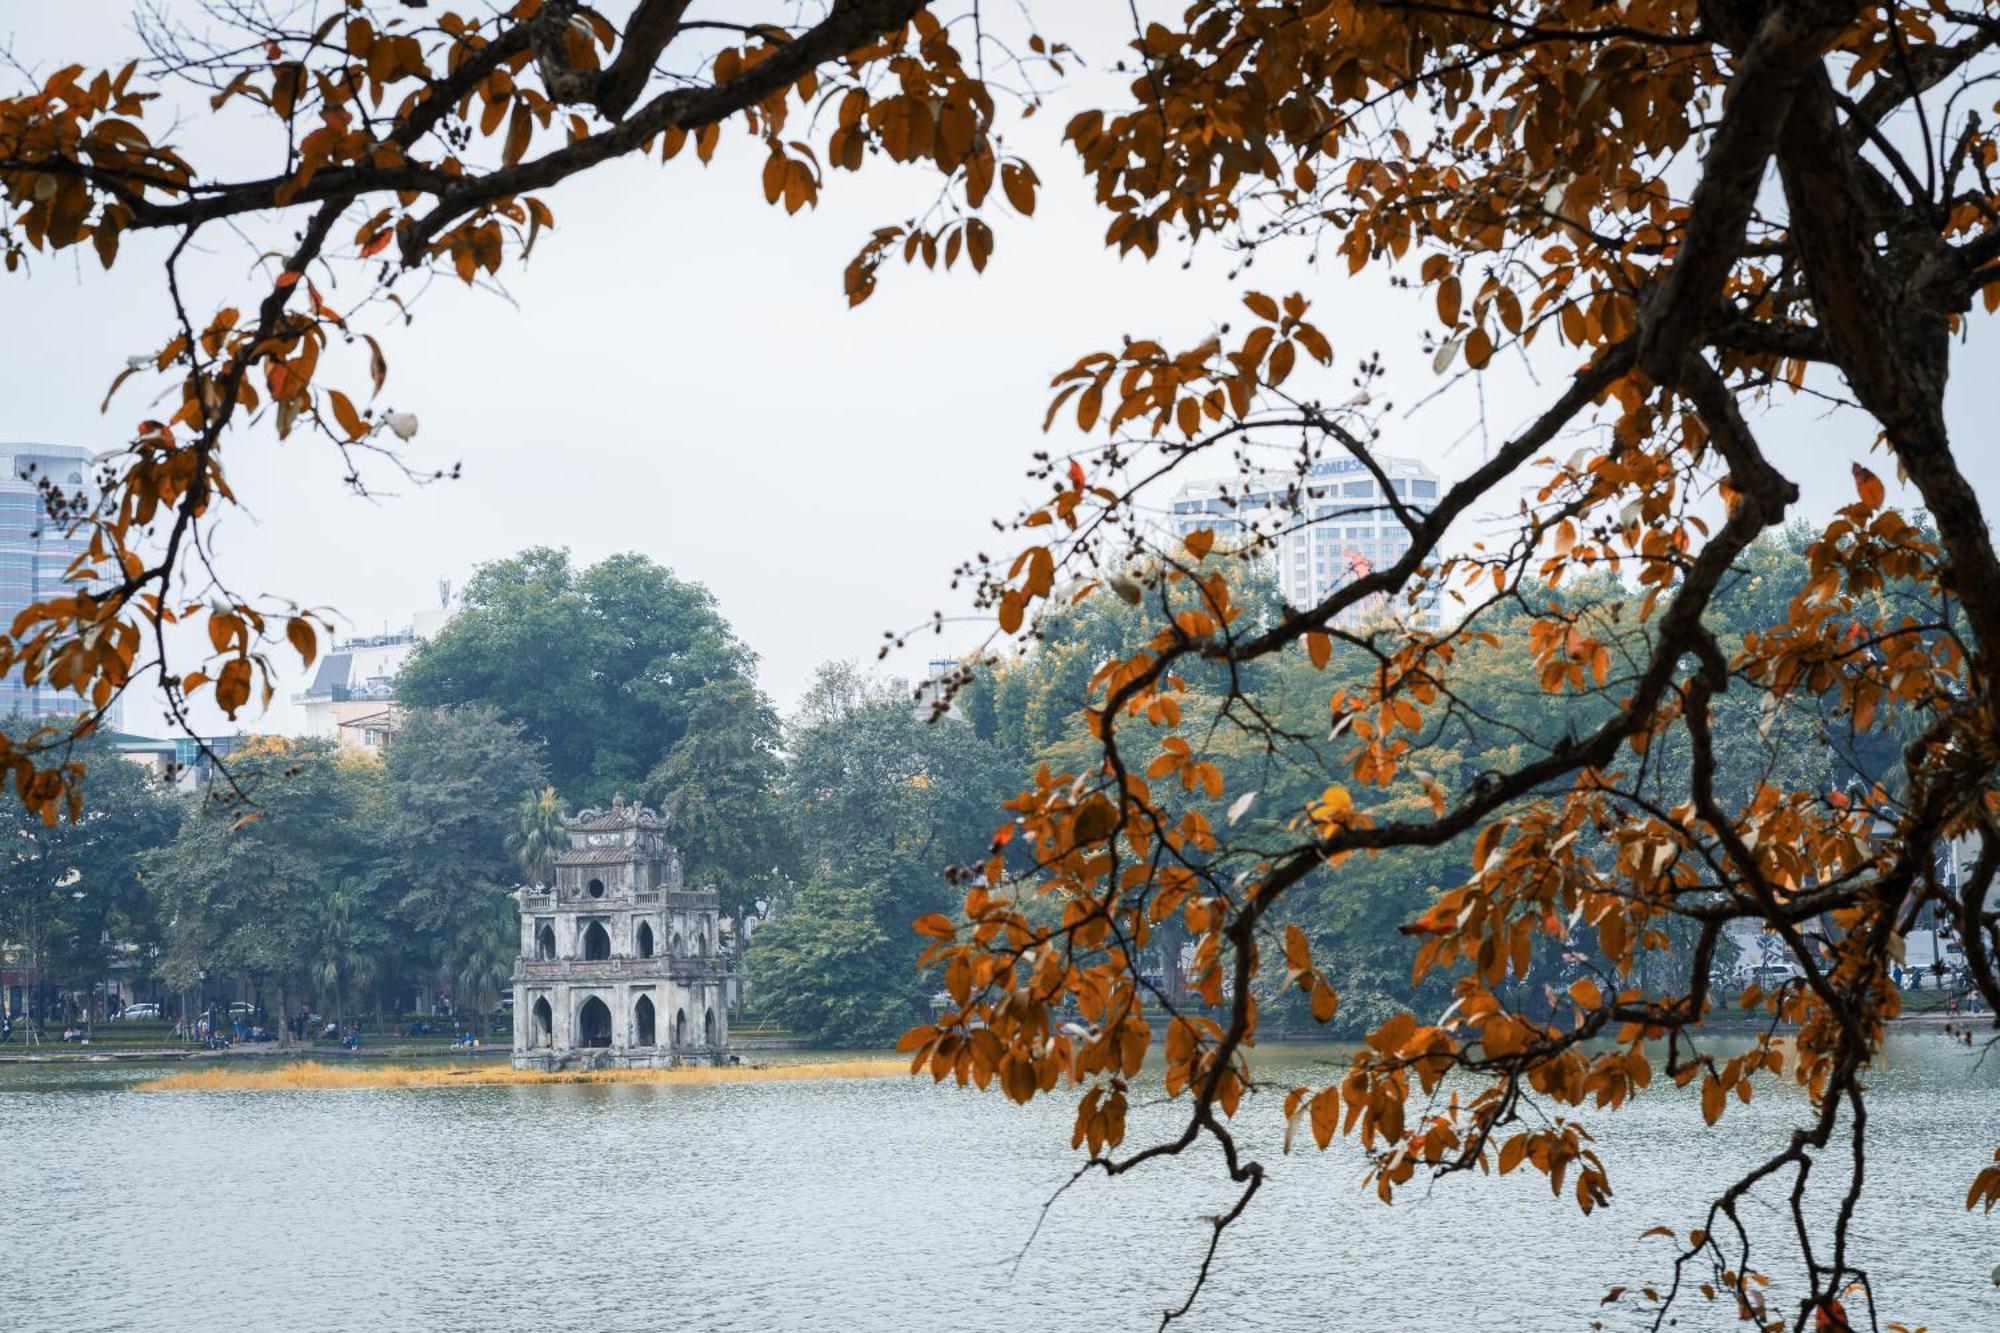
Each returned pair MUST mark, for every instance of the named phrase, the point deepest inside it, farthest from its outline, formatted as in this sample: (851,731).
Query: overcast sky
(678,374)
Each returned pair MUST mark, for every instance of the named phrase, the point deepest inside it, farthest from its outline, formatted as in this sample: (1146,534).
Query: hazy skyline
(678,374)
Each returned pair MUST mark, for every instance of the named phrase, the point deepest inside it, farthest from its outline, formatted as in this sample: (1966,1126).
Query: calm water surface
(869,1205)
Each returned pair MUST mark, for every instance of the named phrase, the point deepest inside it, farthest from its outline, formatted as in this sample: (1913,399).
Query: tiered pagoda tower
(620,964)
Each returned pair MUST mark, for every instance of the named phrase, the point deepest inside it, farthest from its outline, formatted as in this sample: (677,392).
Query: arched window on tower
(596,942)
(642,944)
(545,942)
(642,1021)
(680,1027)
(708,1027)
(593,1023)
(544,1022)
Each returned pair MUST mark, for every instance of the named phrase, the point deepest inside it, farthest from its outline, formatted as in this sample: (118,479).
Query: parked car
(241,1007)
(139,1011)
(1770,976)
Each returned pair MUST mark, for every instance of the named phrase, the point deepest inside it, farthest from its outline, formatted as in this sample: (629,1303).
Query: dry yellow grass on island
(312,1076)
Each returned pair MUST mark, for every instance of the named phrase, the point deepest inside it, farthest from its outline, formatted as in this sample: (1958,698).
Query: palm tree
(479,955)
(340,961)
(538,835)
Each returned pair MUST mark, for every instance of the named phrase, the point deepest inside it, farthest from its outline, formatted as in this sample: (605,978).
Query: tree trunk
(739,953)
(284,1033)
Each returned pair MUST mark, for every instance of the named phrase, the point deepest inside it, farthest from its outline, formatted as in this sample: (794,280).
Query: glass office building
(35,552)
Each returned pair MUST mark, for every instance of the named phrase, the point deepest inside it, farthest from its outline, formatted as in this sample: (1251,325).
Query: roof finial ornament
(618,800)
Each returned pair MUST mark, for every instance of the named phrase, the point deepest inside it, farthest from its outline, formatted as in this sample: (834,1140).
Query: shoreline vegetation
(51,1052)
(313,1076)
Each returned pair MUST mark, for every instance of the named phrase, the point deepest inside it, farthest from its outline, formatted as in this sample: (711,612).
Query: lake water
(873,1205)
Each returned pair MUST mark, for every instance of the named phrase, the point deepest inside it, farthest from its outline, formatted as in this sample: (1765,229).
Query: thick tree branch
(1785,46)
(849,24)
(651,29)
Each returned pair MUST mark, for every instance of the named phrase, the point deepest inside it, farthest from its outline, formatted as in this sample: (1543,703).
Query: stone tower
(620,965)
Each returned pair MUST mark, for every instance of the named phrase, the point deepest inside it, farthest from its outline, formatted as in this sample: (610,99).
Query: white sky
(679,375)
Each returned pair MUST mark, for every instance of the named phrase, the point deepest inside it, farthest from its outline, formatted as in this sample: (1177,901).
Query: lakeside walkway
(60,1052)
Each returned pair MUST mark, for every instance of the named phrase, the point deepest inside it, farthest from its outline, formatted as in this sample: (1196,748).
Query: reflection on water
(871,1205)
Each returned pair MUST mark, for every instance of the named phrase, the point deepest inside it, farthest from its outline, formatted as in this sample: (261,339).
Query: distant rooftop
(362,667)
(387,640)
(36,450)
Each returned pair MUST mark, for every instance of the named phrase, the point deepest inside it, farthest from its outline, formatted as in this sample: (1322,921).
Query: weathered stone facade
(620,964)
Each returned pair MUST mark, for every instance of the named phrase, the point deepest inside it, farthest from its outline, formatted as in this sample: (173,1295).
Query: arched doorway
(680,1027)
(596,942)
(708,1027)
(593,1023)
(545,942)
(544,1022)
(642,1021)
(642,944)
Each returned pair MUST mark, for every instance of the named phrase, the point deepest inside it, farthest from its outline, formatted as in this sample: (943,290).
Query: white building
(352,696)
(1321,531)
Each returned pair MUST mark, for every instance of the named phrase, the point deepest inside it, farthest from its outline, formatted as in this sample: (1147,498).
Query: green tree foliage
(601,665)
(878,793)
(454,845)
(351,876)
(452,777)
(836,967)
(70,890)
(347,946)
(720,783)
(354,877)
(1031,706)
(881,801)
(480,945)
(247,895)
(538,835)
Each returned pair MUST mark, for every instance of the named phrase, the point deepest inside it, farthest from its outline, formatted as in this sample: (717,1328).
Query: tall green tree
(70,891)
(721,784)
(346,948)
(881,801)
(456,780)
(600,665)
(246,892)
(835,969)
(477,955)
(453,779)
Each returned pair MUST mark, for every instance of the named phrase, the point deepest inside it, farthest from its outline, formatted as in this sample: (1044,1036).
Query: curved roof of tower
(599,856)
(620,815)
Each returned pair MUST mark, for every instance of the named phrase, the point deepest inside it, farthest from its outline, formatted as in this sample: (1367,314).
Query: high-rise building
(35,554)
(1319,531)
